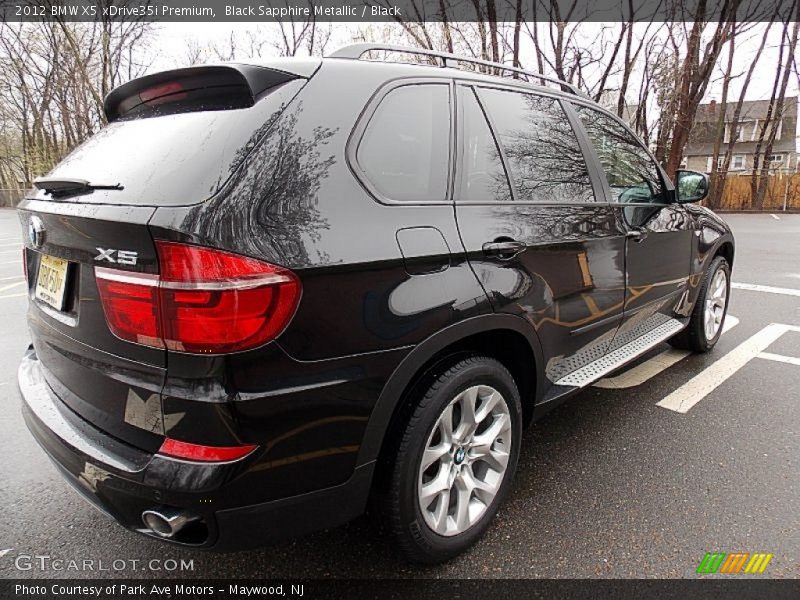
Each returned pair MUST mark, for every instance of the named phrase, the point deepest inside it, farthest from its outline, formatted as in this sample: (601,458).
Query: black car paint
(388,290)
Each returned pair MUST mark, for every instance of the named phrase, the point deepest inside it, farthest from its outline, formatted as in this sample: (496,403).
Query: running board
(622,355)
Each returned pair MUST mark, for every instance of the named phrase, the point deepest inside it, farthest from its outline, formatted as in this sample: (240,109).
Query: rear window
(171,159)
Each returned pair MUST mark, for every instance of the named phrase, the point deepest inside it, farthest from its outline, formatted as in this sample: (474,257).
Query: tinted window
(481,173)
(543,154)
(172,159)
(405,148)
(631,173)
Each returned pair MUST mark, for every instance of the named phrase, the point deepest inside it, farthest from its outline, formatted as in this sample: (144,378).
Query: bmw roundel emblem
(36,231)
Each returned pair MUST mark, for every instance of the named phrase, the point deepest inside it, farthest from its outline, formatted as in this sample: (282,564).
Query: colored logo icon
(737,562)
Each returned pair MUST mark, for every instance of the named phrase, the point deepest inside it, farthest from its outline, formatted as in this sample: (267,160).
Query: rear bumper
(123,481)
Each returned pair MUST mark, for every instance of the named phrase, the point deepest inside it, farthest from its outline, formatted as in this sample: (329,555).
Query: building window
(775,160)
(720,161)
(739,132)
(738,162)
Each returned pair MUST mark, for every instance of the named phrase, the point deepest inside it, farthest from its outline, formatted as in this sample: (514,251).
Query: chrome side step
(624,354)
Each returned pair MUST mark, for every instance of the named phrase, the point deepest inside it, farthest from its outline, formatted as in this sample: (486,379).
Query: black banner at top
(365,11)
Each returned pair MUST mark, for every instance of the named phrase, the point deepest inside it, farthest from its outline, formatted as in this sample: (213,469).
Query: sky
(171,40)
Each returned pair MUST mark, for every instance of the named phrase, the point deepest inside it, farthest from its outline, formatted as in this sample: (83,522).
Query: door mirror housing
(691,186)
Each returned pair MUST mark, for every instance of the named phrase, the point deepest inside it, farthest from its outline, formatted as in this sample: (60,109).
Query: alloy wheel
(465,460)
(716,298)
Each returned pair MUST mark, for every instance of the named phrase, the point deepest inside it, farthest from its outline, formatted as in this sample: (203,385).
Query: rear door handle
(637,235)
(503,249)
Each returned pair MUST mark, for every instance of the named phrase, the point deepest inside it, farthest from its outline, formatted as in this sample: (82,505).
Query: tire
(411,509)
(697,337)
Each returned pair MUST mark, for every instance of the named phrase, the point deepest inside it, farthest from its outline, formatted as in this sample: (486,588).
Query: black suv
(266,294)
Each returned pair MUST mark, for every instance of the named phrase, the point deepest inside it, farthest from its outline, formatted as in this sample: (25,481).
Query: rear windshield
(173,159)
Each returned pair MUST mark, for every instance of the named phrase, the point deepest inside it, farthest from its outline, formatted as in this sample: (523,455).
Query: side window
(481,174)
(404,151)
(631,173)
(542,152)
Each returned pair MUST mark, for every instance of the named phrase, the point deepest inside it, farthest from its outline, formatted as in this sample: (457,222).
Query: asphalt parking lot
(610,484)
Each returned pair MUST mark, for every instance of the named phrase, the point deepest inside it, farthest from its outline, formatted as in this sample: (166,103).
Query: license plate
(52,281)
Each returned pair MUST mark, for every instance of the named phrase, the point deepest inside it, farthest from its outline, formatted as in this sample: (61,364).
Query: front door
(658,245)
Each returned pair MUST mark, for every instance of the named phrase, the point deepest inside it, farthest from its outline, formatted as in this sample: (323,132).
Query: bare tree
(695,74)
(303,35)
(53,77)
(734,123)
(775,112)
(717,176)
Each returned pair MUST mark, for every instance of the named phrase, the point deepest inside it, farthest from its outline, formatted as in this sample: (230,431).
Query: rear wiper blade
(61,186)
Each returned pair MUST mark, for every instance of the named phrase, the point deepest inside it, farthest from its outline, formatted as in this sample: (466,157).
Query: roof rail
(356,51)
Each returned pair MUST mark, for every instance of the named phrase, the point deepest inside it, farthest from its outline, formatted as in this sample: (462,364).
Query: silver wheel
(465,460)
(715,304)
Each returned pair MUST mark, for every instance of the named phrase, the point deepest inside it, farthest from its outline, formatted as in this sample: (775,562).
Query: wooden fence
(783,191)
(9,197)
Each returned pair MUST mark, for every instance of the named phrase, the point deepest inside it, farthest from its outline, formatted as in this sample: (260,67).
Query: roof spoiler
(244,83)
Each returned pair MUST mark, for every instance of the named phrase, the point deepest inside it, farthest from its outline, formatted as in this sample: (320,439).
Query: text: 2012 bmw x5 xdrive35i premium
(266,293)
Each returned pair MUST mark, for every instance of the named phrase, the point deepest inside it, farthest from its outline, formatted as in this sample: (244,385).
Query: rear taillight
(130,302)
(204,301)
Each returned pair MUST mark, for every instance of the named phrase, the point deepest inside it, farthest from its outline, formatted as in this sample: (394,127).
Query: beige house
(698,154)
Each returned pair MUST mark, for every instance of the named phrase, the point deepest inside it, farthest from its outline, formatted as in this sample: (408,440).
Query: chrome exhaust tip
(167,522)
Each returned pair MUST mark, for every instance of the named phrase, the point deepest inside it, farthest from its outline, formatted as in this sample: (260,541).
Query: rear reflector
(204,301)
(187,451)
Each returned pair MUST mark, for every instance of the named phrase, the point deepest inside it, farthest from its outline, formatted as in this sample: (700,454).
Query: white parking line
(11,285)
(9,245)
(766,288)
(13,296)
(12,277)
(697,388)
(791,360)
(776,217)
(652,367)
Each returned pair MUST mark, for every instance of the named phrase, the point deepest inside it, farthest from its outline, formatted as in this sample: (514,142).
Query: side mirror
(691,186)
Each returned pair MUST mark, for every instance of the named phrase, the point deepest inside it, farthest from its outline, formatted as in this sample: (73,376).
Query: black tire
(693,337)
(401,506)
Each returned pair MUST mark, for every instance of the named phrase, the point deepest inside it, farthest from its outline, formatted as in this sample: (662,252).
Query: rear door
(659,232)
(539,241)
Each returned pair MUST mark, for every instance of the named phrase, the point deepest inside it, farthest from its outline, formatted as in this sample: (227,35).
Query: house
(699,151)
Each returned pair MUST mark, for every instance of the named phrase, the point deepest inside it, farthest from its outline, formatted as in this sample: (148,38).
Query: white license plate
(51,282)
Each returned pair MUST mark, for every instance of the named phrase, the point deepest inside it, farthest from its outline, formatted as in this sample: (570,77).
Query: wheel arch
(725,250)
(508,338)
